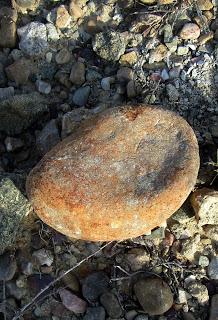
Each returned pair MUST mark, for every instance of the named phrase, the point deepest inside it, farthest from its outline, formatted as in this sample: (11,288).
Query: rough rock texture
(13,207)
(214,308)
(8,35)
(205,204)
(118,176)
(154,295)
(19,112)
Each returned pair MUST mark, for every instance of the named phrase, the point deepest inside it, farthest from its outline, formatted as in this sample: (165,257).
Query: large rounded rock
(154,295)
(121,174)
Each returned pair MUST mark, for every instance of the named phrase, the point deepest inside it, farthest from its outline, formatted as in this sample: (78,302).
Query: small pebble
(203,261)
(43,257)
(43,87)
(213,269)
(81,96)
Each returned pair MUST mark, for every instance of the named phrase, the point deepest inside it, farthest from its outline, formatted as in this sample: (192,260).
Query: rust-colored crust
(121,174)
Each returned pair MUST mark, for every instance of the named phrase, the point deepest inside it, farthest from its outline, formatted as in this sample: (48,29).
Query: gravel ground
(60,63)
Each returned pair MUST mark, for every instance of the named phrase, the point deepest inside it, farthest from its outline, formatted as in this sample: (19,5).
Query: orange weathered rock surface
(121,174)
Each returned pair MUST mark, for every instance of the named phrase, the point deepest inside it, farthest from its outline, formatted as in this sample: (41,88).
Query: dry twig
(54,282)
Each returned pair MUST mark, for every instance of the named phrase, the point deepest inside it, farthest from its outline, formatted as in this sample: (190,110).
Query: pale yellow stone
(128,59)
(148,1)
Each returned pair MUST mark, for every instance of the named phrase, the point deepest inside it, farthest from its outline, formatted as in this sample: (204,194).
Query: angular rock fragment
(109,45)
(13,207)
(214,308)
(8,28)
(72,302)
(33,39)
(19,112)
(205,204)
(120,174)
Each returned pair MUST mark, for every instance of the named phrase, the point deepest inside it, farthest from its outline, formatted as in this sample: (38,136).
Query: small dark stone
(48,137)
(95,313)
(154,295)
(37,282)
(94,285)
(111,305)
(81,96)
(8,267)
(19,112)
(15,291)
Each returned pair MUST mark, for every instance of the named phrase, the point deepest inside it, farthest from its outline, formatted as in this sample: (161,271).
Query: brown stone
(205,5)
(128,59)
(63,18)
(77,75)
(19,71)
(154,295)
(158,54)
(190,31)
(121,174)
(8,29)
(75,10)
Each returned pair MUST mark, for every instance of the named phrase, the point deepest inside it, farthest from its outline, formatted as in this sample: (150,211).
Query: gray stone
(52,32)
(130,315)
(203,261)
(198,291)
(182,50)
(211,231)
(81,96)
(213,269)
(154,295)
(158,233)
(109,45)
(6,93)
(15,291)
(214,308)
(188,316)
(141,317)
(2,75)
(172,92)
(190,247)
(13,144)
(165,75)
(92,75)
(72,119)
(168,33)
(8,267)
(95,313)
(48,137)
(63,56)
(19,112)
(184,214)
(13,207)
(72,302)
(111,304)
(33,39)
(205,204)
(43,87)
(174,73)
(16,54)
(43,257)
(94,285)
(106,83)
